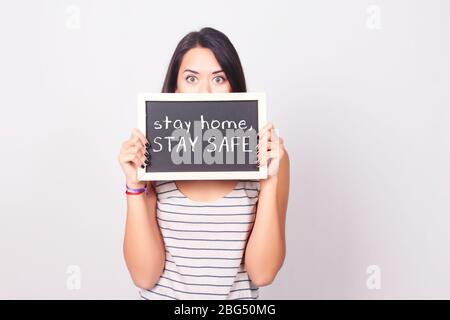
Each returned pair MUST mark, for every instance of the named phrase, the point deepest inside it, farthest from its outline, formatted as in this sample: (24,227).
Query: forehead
(201,60)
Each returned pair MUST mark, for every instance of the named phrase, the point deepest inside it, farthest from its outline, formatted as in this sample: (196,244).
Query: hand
(270,149)
(133,155)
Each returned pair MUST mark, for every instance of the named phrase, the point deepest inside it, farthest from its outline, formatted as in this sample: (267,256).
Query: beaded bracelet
(132,191)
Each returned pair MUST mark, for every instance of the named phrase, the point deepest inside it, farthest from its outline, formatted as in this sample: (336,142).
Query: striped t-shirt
(205,244)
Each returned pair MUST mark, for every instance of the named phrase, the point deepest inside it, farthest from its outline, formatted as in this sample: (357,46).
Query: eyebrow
(195,72)
(189,70)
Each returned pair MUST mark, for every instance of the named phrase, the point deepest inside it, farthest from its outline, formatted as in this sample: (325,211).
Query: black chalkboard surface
(202,136)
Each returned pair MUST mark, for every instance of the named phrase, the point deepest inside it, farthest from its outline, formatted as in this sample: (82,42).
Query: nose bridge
(205,86)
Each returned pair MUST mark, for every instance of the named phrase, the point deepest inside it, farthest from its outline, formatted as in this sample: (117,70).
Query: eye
(191,79)
(219,80)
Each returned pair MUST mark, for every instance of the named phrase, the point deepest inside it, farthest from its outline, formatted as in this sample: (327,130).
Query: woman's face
(201,73)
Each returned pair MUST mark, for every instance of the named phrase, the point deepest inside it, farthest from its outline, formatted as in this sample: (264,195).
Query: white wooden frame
(201,175)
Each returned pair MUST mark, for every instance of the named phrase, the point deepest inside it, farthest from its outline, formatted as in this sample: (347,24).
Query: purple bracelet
(137,190)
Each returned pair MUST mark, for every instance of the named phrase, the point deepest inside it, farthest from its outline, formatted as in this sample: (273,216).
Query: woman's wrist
(136,184)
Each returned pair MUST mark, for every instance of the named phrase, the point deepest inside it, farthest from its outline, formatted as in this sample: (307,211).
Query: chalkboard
(202,136)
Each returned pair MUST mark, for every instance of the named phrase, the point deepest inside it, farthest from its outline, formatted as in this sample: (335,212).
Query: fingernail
(147,162)
(147,144)
(146,154)
(142,166)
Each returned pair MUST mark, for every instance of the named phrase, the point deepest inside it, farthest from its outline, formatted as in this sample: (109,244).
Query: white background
(364,110)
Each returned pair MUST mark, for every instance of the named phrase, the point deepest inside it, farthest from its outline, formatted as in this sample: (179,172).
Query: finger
(263,159)
(137,152)
(131,145)
(264,142)
(139,160)
(140,135)
(130,158)
(260,155)
(136,149)
(267,157)
(273,152)
(144,156)
(274,135)
(140,154)
(126,145)
(262,147)
(271,145)
(264,135)
(134,145)
(263,154)
(264,129)
(273,166)
(263,139)
(136,141)
(267,146)
(145,159)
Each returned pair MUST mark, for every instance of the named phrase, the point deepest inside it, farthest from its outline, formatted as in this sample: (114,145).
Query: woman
(205,239)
